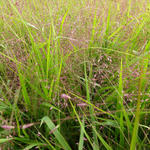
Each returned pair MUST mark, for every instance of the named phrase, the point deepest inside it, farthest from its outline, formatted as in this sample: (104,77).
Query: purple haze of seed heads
(7,127)
(64,96)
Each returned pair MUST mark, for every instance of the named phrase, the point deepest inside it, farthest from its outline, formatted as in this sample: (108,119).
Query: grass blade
(57,134)
(81,141)
(5,140)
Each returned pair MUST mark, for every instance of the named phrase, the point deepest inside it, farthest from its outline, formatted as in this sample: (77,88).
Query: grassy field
(74,74)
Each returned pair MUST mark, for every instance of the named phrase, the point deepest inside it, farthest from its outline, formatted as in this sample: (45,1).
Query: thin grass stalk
(81,124)
(140,91)
(129,8)
(137,115)
(120,99)
(90,107)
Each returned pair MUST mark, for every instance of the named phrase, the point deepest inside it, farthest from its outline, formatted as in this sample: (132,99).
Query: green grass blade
(81,124)
(91,108)
(120,103)
(81,141)
(5,140)
(138,108)
(102,140)
(57,134)
(33,145)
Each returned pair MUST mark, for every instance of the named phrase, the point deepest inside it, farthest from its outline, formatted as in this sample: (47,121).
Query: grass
(74,74)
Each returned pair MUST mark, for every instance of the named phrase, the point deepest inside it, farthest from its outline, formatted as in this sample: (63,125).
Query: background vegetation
(74,74)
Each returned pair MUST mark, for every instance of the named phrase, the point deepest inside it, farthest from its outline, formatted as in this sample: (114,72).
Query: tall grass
(74,74)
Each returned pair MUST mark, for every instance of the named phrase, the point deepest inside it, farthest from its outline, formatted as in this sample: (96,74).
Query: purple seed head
(7,127)
(27,125)
(82,104)
(66,97)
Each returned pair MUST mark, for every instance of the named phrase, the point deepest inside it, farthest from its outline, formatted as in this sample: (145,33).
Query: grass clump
(74,74)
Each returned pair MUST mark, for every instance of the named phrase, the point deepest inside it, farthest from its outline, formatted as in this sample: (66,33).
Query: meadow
(74,74)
